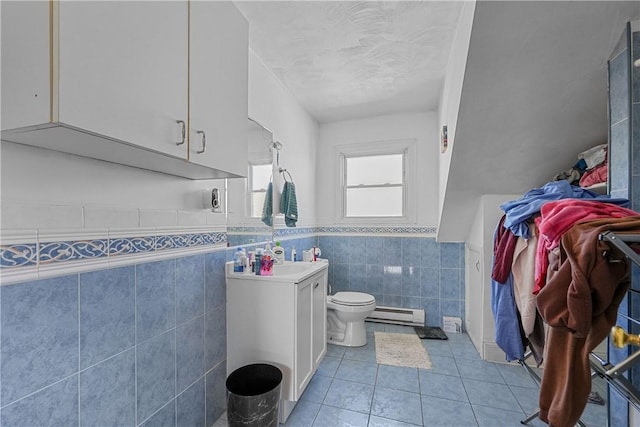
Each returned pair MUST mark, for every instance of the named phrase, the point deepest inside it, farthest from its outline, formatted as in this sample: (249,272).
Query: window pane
(384,201)
(257,204)
(260,175)
(374,170)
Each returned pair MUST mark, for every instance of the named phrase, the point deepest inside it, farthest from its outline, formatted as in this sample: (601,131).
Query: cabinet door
(319,321)
(218,86)
(123,70)
(304,363)
(25,58)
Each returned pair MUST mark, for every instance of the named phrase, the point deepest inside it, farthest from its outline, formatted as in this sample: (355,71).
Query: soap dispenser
(278,253)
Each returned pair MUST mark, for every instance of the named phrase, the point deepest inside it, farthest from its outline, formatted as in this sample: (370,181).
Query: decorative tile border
(57,252)
(249,230)
(378,230)
(290,232)
(294,231)
(132,245)
(82,248)
(18,255)
(53,252)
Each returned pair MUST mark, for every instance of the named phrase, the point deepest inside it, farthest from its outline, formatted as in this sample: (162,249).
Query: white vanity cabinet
(280,321)
(136,83)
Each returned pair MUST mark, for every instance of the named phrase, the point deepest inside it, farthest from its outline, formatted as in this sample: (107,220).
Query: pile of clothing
(553,291)
(590,169)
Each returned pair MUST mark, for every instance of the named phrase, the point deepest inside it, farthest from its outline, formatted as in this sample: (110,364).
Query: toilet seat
(353,298)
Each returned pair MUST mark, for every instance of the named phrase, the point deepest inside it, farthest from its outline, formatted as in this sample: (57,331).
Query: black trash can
(253,396)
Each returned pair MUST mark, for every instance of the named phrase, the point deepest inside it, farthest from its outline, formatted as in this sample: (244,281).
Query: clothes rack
(621,245)
(536,379)
(614,374)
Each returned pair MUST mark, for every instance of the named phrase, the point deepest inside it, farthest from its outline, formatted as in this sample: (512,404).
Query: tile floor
(350,389)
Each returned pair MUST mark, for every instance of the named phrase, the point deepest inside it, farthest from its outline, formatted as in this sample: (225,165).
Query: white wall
(479,315)
(452,92)
(274,107)
(422,126)
(50,190)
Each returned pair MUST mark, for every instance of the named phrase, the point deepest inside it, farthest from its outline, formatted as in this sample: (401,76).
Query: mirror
(245,196)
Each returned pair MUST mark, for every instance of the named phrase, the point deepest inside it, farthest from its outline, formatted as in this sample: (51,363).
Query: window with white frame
(375,181)
(259,178)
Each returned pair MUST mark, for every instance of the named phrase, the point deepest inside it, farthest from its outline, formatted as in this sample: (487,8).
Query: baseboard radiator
(397,316)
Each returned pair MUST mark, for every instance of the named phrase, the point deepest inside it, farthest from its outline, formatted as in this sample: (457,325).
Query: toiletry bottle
(267,266)
(258,262)
(251,262)
(278,253)
(293,254)
(244,259)
(238,262)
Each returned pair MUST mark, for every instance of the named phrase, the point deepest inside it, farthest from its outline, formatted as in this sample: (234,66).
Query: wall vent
(397,316)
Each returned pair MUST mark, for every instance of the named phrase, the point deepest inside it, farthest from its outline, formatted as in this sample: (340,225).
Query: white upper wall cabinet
(123,82)
(219,96)
(124,70)
(26,83)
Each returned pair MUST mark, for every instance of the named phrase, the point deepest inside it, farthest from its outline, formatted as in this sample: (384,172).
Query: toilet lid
(353,298)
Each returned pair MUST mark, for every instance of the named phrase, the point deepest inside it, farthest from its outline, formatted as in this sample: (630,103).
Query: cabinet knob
(183,131)
(204,142)
(317,284)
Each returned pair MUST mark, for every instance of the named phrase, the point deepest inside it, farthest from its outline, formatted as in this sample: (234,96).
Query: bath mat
(430,333)
(401,350)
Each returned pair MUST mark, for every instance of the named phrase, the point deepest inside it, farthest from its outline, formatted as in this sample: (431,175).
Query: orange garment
(580,304)
(558,216)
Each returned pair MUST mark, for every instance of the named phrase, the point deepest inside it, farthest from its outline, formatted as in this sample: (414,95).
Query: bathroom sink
(292,272)
(292,268)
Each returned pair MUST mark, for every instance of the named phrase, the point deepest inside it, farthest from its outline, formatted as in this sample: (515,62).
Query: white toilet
(346,312)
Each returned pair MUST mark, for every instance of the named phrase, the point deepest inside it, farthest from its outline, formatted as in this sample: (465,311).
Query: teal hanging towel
(267,209)
(289,204)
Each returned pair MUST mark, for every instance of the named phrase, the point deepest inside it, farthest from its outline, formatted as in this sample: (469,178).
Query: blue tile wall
(107,392)
(39,335)
(107,314)
(407,272)
(146,344)
(155,298)
(155,373)
(134,345)
(190,293)
(190,405)
(190,352)
(400,271)
(55,405)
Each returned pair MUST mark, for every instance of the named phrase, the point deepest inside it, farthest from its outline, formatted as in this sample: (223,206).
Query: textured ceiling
(349,59)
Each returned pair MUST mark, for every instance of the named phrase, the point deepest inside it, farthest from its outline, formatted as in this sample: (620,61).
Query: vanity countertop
(290,272)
